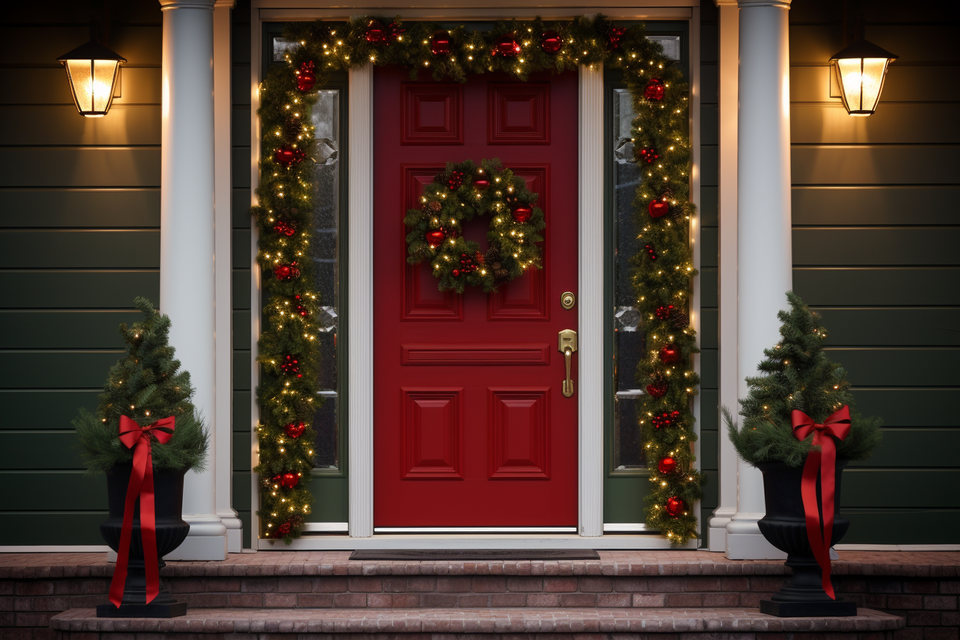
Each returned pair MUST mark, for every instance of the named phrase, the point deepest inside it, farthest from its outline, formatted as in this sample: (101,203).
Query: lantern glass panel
(92,82)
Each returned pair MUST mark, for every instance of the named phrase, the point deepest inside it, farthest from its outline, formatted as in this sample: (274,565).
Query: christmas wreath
(456,196)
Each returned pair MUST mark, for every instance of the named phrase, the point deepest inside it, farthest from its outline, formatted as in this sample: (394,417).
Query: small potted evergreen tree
(800,429)
(144,436)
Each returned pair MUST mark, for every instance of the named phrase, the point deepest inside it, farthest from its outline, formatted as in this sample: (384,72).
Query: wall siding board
(19,407)
(48,86)
(893,123)
(80,166)
(901,525)
(878,326)
(895,246)
(880,287)
(885,205)
(899,367)
(53,528)
(59,450)
(864,164)
(918,488)
(81,208)
(914,408)
(912,448)
(41,125)
(56,369)
(77,289)
(61,491)
(80,249)
(58,329)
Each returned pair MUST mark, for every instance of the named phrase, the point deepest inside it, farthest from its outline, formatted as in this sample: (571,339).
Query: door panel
(470,425)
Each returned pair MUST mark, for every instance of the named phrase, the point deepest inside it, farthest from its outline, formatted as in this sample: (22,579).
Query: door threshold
(309,542)
(518,530)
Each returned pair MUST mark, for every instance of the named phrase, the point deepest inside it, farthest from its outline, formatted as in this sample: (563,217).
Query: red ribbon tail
(808,491)
(123,552)
(828,473)
(148,531)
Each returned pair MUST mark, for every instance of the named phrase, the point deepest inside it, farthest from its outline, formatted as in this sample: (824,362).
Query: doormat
(475,554)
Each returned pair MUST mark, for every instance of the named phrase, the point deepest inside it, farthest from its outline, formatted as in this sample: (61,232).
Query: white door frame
(360,279)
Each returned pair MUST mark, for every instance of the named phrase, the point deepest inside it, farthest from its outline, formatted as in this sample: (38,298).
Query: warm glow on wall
(861,68)
(93,72)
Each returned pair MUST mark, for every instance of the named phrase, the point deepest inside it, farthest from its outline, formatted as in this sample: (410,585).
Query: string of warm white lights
(663,270)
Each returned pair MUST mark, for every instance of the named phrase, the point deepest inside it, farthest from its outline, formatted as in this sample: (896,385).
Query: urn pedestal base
(808,609)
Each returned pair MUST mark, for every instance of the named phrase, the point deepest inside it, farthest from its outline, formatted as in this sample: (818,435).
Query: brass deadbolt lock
(567,300)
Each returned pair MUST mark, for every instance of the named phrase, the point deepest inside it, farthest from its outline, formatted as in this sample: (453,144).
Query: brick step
(483,624)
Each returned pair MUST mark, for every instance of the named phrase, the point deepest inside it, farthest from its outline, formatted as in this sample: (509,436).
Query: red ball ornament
(435,238)
(651,251)
(667,465)
(675,506)
(670,354)
(283,530)
(306,76)
(551,42)
(286,272)
(289,480)
(441,43)
(648,155)
(654,90)
(658,208)
(285,228)
(291,366)
(287,155)
(481,183)
(522,213)
(456,273)
(614,36)
(376,33)
(657,389)
(295,429)
(506,46)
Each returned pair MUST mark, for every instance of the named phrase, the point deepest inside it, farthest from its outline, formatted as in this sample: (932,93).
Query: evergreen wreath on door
(459,194)
(663,270)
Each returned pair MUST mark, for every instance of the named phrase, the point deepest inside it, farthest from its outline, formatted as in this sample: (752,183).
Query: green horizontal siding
(874,250)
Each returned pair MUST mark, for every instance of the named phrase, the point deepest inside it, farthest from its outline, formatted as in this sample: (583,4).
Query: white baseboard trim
(897,547)
(55,548)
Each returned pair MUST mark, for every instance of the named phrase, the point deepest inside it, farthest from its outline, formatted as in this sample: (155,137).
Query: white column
(360,268)
(187,290)
(729,29)
(590,302)
(223,201)
(764,256)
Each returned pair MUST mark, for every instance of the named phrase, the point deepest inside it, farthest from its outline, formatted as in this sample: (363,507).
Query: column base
(207,540)
(234,527)
(745,542)
(718,528)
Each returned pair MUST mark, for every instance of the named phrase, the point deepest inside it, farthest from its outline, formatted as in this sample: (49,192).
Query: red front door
(470,425)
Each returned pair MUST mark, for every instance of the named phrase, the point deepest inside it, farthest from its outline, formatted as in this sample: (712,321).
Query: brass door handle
(567,345)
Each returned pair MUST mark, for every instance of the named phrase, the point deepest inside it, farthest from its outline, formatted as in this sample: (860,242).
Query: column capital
(167,5)
(785,4)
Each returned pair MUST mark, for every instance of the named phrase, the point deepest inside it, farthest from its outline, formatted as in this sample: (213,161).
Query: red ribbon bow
(822,461)
(141,486)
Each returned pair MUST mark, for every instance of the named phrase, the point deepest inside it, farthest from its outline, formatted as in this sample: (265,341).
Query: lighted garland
(663,269)
(459,194)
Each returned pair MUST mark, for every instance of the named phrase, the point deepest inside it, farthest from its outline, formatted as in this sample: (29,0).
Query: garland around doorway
(662,273)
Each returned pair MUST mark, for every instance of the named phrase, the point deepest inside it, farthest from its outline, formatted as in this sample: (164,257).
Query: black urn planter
(171,532)
(784,526)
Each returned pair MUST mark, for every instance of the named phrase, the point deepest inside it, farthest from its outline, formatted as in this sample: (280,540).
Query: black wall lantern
(93,72)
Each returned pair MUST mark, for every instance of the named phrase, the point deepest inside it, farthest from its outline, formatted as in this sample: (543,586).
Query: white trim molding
(359,286)
(728,85)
